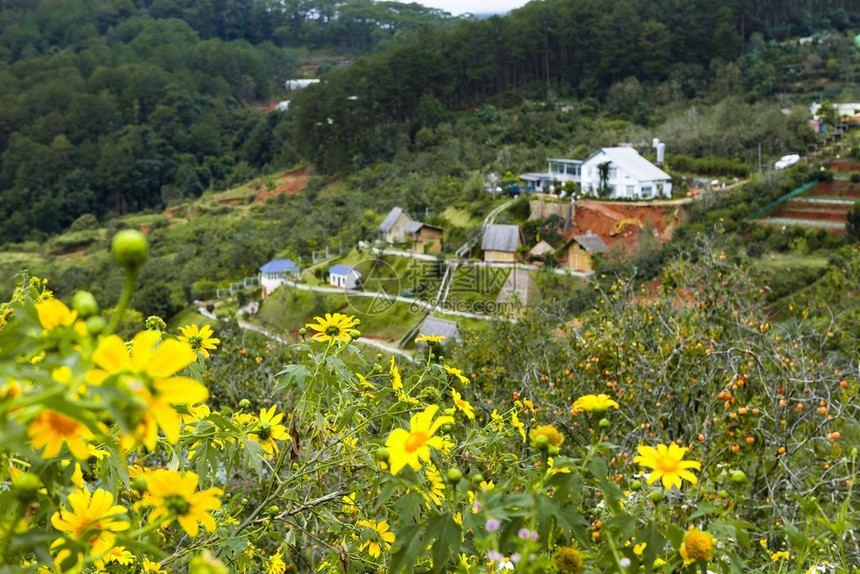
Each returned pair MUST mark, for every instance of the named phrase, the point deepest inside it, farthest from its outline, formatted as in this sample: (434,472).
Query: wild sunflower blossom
(268,430)
(555,437)
(175,496)
(91,518)
(413,445)
(337,326)
(199,339)
(668,464)
(379,538)
(51,430)
(463,405)
(697,545)
(430,339)
(457,373)
(150,371)
(53,313)
(593,403)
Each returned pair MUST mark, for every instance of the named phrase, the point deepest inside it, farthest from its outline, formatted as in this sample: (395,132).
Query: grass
(290,309)
(780,261)
(190,316)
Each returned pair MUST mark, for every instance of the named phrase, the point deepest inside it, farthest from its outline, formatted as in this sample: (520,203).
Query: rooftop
(628,159)
(390,219)
(500,237)
(280,266)
(343,270)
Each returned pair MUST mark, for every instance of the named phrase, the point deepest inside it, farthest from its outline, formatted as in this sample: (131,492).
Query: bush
(85,222)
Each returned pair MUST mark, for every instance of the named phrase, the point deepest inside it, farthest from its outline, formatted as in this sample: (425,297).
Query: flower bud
(244,404)
(381,454)
(26,486)
(95,324)
(129,249)
(85,304)
(454,475)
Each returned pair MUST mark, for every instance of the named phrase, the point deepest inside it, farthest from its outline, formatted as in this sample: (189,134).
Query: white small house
(344,277)
(275,273)
(630,175)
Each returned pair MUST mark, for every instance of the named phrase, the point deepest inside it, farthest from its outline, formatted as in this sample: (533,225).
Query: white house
(344,277)
(274,273)
(631,176)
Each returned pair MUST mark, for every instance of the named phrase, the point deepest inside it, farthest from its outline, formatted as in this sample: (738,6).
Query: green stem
(127,291)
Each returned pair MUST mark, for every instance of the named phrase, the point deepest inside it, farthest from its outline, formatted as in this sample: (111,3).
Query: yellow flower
(152,567)
(413,445)
(552,469)
(463,405)
(667,463)
(196,414)
(175,496)
(593,403)
(396,380)
(430,339)
(51,429)
(435,486)
(268,430)
(457,373)
(275,564)
(638,549)
(530,405)
(569,559)
(349,504)
(199,339)
(91,518)
(487,485)
(337,326)
(116,554)
(519,425)
(379,533)
(777,556)
(697,545)
(150,370)
(53,313)
(555,437)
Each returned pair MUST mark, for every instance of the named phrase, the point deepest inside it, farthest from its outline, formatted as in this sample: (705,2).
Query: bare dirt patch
(291,183)
(601,218)
(845,165)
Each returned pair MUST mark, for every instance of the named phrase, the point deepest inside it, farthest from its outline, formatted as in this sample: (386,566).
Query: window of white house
(613,173)
(589,171)
(646,191)
(629,191)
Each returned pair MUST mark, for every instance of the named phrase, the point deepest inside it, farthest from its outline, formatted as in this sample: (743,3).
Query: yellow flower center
(60,424)
(667,464)
(177,505)
(415,441)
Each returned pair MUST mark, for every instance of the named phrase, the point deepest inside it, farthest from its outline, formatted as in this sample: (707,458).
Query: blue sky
(457,7)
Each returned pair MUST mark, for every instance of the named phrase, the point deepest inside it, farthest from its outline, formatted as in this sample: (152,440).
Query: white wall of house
(623,184)
(344,281)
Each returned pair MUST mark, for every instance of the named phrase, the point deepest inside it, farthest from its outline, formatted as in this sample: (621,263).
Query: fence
(237,286)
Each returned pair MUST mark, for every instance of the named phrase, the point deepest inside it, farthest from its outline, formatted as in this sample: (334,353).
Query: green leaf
(654,542)
(447,534)
(404,555)
(292,374)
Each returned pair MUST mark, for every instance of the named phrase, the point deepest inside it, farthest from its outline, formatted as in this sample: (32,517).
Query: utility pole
(759,157)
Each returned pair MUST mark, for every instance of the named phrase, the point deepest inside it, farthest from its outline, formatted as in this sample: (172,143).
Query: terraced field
(823,206)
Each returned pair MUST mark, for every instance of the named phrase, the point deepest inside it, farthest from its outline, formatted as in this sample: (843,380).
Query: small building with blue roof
(277,272)
(344,277)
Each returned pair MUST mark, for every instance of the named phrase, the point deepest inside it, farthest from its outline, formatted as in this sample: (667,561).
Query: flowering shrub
(116,457)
